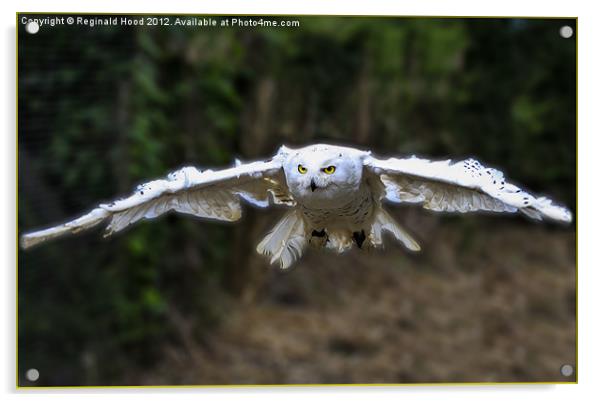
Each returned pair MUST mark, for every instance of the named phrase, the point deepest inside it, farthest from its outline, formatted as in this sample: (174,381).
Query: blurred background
(184,301)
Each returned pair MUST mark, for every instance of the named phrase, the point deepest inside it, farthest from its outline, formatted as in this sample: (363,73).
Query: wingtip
(555,212)
(27,241)
(24,243)
(559,214)
(568,218)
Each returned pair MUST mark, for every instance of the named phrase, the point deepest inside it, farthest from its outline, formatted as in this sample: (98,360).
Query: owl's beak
(313,185)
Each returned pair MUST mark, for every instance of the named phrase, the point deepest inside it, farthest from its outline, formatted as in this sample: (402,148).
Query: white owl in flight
(334,195)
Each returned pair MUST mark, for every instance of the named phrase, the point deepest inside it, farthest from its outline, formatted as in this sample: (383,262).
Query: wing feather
(206,194)
(463,186)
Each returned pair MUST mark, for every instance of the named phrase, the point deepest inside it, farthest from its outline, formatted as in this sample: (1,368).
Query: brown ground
(485,300)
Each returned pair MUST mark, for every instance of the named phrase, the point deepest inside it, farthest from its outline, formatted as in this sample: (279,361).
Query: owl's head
(323,175)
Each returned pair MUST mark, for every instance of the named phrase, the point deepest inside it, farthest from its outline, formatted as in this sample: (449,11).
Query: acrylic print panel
(107,102)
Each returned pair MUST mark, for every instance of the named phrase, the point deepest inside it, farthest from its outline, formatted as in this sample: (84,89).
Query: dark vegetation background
(184,301)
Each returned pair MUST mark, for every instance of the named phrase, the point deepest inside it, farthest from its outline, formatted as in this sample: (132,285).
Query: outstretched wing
(458,187)
(207,194)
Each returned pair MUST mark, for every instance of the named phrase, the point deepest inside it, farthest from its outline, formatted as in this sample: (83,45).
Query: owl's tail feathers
(286,242)
(92,218)
(384,222)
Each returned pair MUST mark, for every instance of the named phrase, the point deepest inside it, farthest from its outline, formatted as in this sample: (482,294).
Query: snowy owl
(334,196)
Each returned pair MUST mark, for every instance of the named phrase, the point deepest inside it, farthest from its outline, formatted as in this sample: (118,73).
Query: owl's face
(323,175)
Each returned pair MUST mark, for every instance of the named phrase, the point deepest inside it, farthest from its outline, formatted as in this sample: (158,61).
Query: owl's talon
(321,237)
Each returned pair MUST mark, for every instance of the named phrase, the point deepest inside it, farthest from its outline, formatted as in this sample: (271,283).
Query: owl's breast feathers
(353,214)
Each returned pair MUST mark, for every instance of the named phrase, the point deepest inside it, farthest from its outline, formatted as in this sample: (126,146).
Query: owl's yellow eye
(302,169)
(329,169)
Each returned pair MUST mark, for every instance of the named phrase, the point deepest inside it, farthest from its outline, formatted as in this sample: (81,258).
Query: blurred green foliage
(103,109)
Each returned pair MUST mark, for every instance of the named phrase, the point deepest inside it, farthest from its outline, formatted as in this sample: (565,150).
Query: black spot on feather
(359,238)
(321,233)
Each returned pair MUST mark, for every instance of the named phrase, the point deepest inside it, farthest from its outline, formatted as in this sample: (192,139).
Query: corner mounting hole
(32,27)
(566,370)
(566,32)
(32,375)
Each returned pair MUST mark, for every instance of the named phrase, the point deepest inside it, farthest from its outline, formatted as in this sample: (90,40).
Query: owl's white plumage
(334,194)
